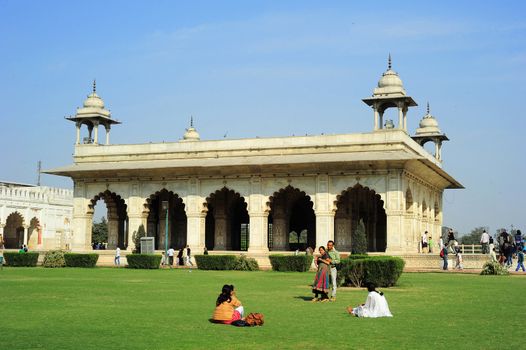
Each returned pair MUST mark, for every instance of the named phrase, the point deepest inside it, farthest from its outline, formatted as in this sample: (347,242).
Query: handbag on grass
(255,319)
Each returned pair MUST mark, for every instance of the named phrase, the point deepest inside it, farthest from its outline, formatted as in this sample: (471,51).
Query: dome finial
(191,121)
(427,107)
(389,66)
(94,86)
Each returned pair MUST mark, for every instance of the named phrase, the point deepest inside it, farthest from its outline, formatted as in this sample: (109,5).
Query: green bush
(54,258)
(300,263)
(81,260)
(357,256)
(21,259)
(494,268)
(383,271)
(359,239)
(243,263)
(143,261)
(216,262)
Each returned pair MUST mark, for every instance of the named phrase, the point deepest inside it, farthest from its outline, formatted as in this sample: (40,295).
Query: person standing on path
(189,256)
(171,253)
(443,254)
(451,240)
(117,260)
(484,240)
(423,242)
(335,260)
(520,261)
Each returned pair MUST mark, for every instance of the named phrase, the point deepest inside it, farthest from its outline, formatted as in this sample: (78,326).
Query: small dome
(93,106)
(428,125)
(93,101)
(390,83)
(191,135)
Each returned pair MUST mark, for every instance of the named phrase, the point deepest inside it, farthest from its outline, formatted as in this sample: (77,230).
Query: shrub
(243,263)
(143,261)
(358,239)
(300,263)
(54,258)
(216,262)
(351,272)
(383,271)
(21,259)
(81,260)
(494,268)
(136,237)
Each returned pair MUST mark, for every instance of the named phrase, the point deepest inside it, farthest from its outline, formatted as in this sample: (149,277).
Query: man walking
(189,256)
(171,253)
(117,259)
(484,240)
(335,259)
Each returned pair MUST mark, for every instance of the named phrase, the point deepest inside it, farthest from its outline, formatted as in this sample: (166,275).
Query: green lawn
(107,308)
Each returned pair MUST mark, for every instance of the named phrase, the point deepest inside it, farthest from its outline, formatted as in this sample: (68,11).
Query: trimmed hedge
(143,261)
(81,260)
(282,263)
(21,259)
(54,258)
(216,262)
(383,271)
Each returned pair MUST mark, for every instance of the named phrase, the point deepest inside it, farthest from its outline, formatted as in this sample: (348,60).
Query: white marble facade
(261,194)
(38,216)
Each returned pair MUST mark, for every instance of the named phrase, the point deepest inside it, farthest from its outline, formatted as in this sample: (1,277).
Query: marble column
(220,232)
(324,227)
(258,238)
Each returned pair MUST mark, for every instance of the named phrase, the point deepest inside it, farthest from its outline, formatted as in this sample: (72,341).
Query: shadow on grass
(304,298)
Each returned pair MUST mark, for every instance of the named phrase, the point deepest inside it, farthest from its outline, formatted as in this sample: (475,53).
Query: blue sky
(272,68)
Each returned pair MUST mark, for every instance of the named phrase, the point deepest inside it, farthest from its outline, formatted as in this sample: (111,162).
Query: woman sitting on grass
(321,280)
(228,307)
(375,305)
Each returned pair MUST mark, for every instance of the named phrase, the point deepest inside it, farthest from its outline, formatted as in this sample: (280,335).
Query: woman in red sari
(321,280)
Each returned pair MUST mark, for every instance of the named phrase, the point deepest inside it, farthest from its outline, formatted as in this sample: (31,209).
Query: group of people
(510,246)
(326,274)
(184,257)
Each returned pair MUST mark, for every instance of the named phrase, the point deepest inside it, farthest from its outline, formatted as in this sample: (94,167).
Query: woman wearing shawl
(321,280)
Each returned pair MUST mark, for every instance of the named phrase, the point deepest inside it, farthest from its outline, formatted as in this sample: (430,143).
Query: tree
(136,237)
(99,232)
(473,237)
(359,240)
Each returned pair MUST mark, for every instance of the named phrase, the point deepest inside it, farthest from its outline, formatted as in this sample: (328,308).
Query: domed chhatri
(390,83)
(93,105)
(92,114)
(429,131)
(428,125)
(191,133)
(390,93)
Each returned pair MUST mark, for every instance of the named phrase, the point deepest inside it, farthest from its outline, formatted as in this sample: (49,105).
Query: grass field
(107,308)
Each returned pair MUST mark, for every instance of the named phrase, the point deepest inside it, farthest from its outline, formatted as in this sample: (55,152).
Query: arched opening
(292,222)
(227,221)
(177,223)
(355,204)
(117,219)
(424,209)
(34,234)
(14,231)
